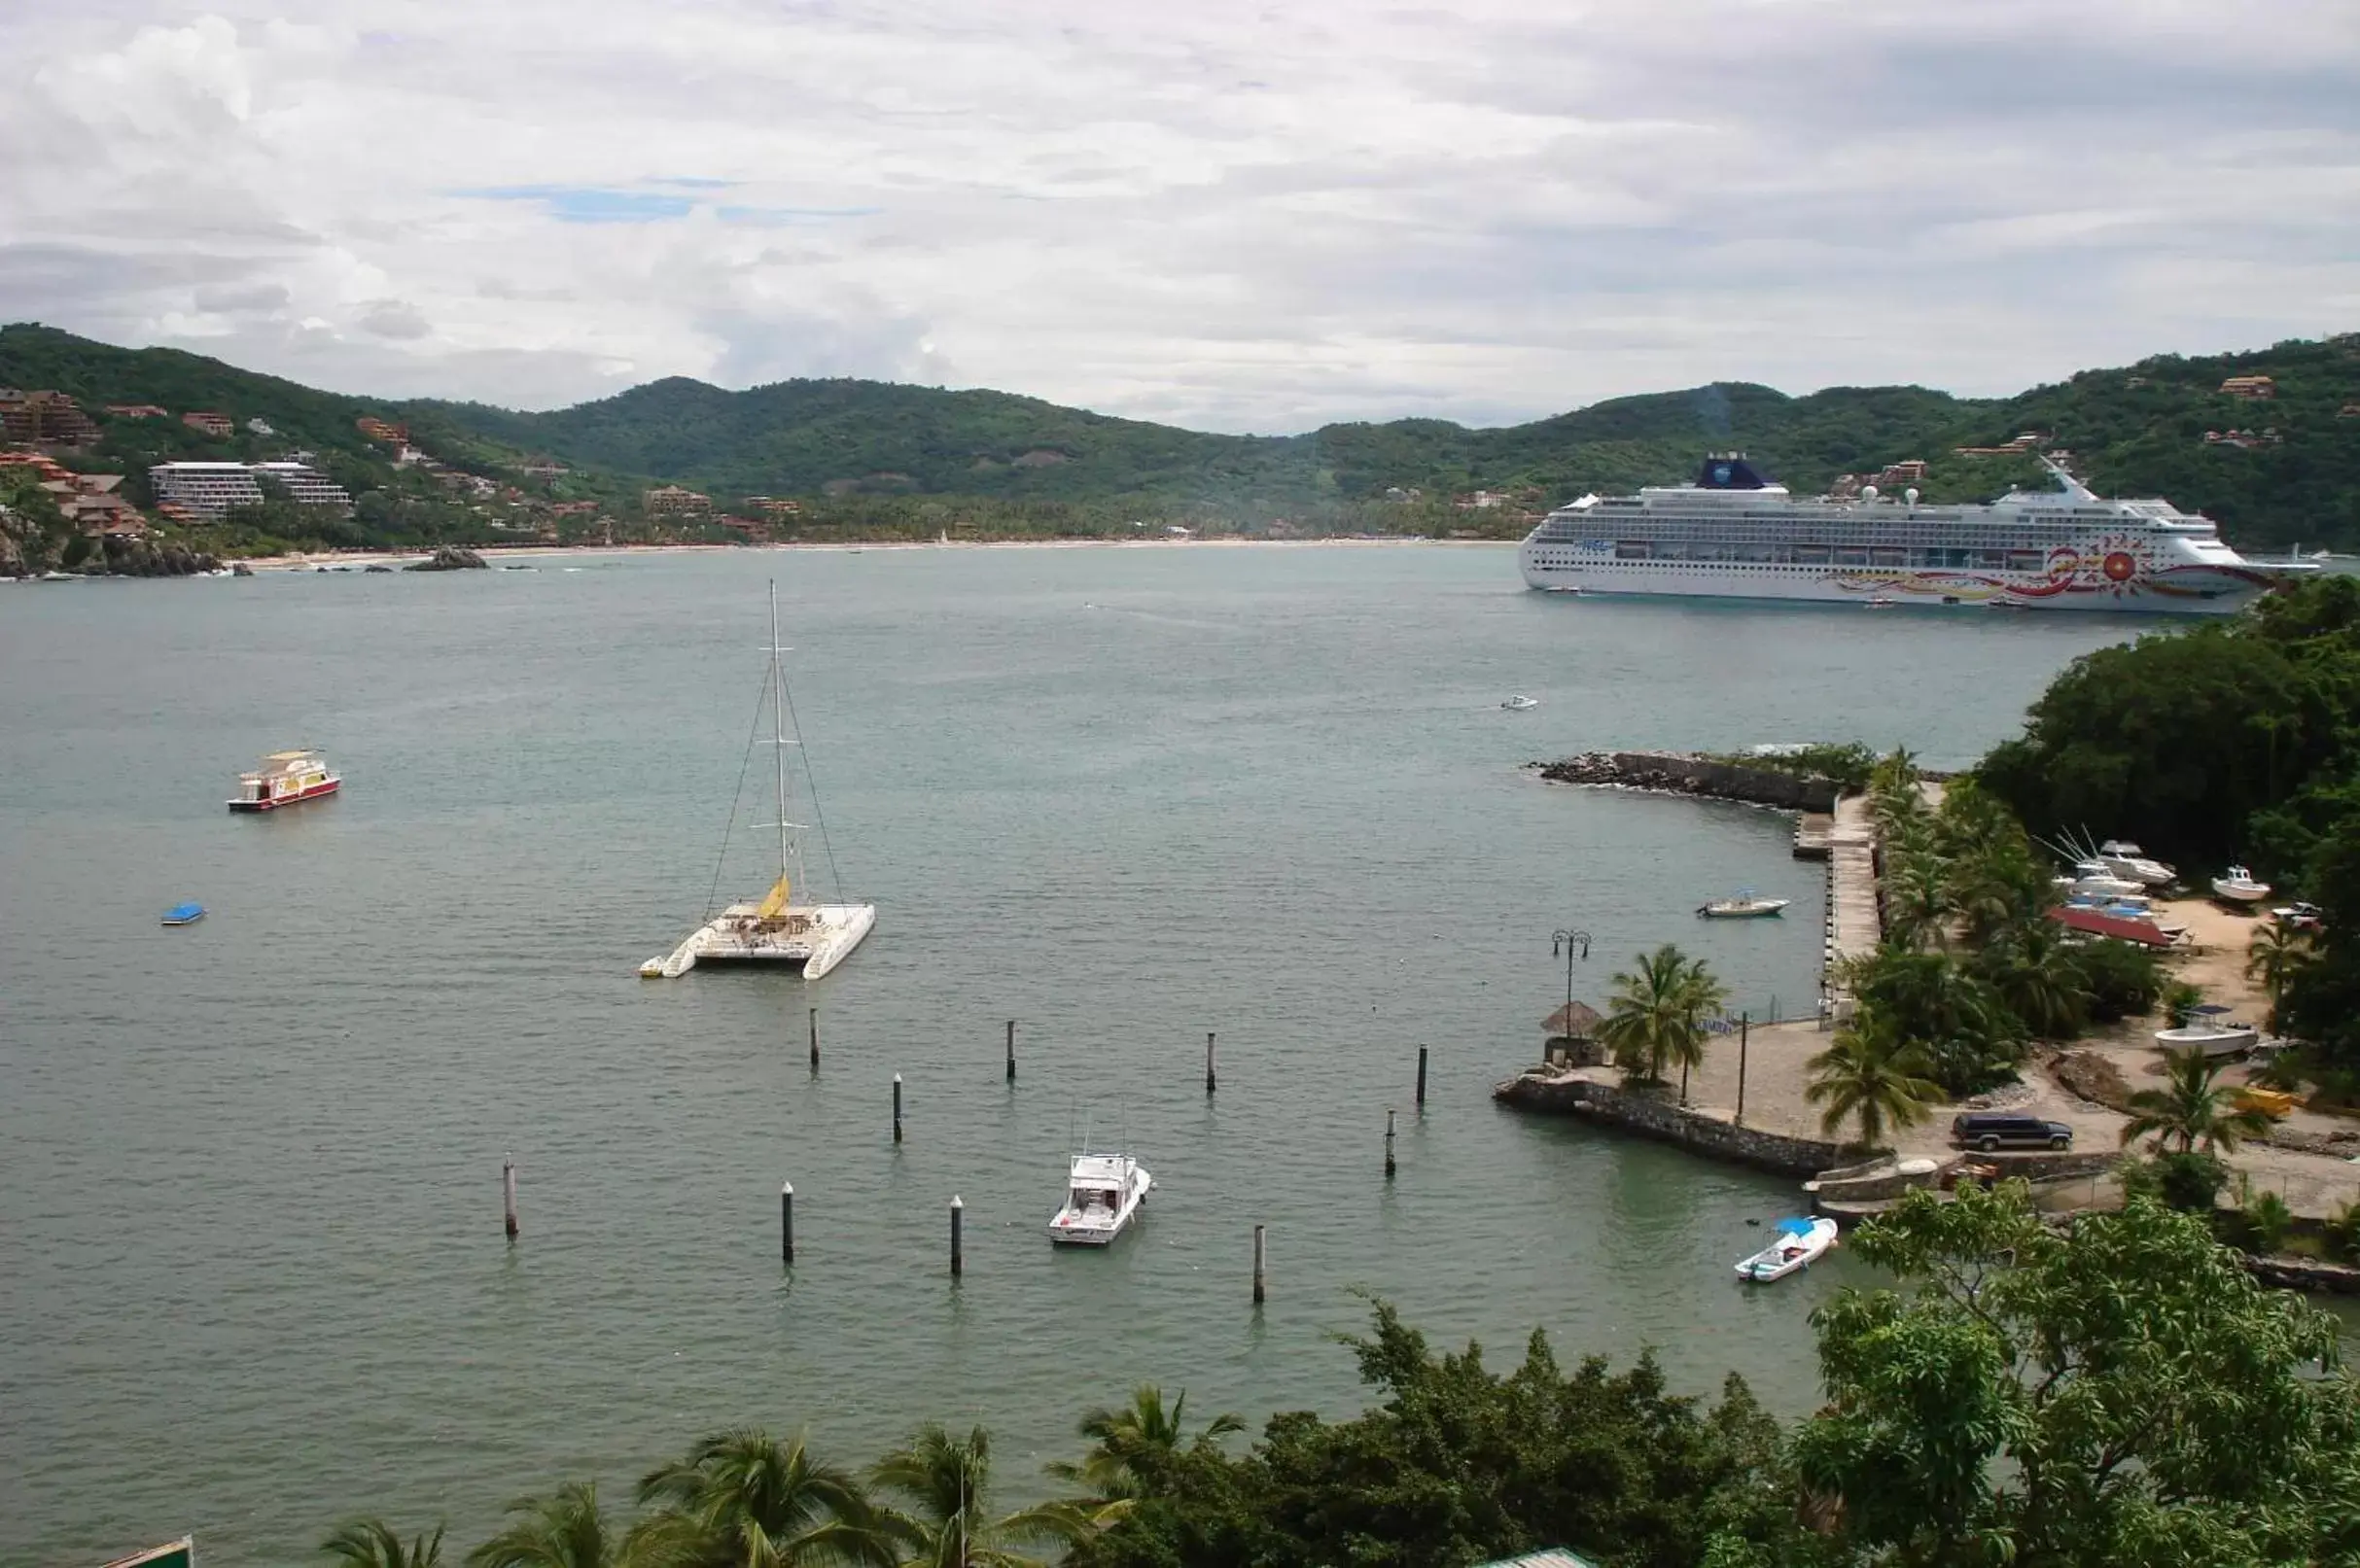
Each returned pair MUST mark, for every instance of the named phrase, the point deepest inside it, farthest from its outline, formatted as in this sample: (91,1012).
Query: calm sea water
(252,1276)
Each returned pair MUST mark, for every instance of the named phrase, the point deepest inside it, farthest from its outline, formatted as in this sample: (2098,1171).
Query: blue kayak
(184,913)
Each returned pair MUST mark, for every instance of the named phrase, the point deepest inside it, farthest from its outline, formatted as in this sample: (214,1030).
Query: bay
(252,1278)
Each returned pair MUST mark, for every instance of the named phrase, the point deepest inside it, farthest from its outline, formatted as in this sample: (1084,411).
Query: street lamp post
(1569,943)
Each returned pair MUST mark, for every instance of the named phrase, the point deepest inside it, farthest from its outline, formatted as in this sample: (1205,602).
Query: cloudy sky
(1232,216)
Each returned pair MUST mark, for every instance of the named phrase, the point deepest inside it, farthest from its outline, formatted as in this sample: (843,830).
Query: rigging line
(744,764)
(819,817)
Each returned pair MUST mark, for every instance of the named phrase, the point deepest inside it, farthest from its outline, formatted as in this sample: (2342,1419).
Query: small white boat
(1104,1193)
(2210,1040)
(2126,859)
(1880,601)
(1519,702)
(1746,905)
(1798,1245)
(2093,877)
(2237,886)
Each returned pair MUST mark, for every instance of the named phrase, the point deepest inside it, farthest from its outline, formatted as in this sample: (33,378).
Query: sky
(1230,216)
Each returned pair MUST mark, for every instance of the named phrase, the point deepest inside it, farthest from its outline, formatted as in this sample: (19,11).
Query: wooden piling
(1389,1143)
(896,1107)
(508,1193)
(958,1225)
(1011,1050)
(1210,1080)
(786,1222)
(815,1040)
(1421,1077)
(1261,1263)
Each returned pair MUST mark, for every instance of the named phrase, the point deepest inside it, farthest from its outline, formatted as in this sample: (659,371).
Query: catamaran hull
(2180,591)
(833,932)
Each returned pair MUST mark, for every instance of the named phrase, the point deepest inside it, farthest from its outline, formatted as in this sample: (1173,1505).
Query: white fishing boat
(1519,702)
(2209,1039)
(812,938)
(2093,877)
(1797,1244)
(2126,859)
(1745,905)
(1104,1193)
(2237,886)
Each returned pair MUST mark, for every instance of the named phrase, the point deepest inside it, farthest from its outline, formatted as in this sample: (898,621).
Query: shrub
(2180,1001)
(2261,1226)
(2124,981)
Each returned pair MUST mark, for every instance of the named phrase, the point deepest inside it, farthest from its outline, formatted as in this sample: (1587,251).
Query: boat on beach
(285,779)
(2239,887)
(1104,1194)
(1745,905)
(2126,859)
(1799,1242)
(807,938)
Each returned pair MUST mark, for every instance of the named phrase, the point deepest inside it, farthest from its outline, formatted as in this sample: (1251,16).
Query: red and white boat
(285,779)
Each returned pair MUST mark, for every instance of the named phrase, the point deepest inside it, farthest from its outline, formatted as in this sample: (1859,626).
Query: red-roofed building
(219,426)
(138,410)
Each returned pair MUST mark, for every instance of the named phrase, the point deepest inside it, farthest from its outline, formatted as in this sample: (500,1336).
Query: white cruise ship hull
(2194,590)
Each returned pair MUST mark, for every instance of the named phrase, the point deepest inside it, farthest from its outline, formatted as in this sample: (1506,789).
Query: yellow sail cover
(775,905)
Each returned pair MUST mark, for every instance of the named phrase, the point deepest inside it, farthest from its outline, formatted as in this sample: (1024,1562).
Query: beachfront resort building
(213,489)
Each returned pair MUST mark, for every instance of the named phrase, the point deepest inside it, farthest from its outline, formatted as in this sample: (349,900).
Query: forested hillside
(889,458)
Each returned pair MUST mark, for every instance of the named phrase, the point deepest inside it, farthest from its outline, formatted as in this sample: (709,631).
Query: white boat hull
(812,938)
(1097,1224)
(2192,590)
(1790,1253)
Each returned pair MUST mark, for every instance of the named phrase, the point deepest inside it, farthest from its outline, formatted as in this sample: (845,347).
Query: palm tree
(1998,888)
(1870,1074)
(947,1481)
(1916,900)
(372,1544)
(1705,997)
(2192,1109)
(2278,953)
(1652,1017)
(563,1531)
(1129,1447)
(2036,974)
(743,1499)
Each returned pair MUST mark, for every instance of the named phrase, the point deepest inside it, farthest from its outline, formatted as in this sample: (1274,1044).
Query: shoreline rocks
(1685,773)
(449,558)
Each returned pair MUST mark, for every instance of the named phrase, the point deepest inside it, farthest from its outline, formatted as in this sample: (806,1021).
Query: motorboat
(2126,859)
(1745,905)
(184,913)
(1519,702)
(1797,1244)
(285,779)
(2093,877)
(2301,916)
(1104,1193)
(2239,887)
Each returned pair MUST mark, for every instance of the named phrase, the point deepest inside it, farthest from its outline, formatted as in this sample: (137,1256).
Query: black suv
(2001,1129)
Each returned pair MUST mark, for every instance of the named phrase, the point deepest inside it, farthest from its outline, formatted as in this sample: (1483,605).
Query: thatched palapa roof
(1577,1021)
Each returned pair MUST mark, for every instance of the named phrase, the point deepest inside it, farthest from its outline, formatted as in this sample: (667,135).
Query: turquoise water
(252,1276)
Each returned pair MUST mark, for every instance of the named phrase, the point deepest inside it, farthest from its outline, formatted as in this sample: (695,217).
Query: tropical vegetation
(1658,1016)
(2120,1393)
(873,460)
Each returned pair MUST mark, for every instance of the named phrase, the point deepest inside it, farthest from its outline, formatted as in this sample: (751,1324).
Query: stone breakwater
(1572,1093)
(1685,773)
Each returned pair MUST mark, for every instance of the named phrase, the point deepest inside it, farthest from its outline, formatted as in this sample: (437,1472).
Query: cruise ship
(1732,534)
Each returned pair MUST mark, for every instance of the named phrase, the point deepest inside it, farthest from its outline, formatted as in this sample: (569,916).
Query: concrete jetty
(1854,922)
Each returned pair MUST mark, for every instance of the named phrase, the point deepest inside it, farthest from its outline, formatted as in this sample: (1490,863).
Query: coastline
(299,560)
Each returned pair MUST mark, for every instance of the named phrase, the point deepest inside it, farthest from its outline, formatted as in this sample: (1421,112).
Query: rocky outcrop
(449,559)
(2304,1273)
(1573,1094)
(1683,773)
(146,558)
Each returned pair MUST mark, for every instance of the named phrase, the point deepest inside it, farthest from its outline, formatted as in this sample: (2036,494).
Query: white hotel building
(212,489)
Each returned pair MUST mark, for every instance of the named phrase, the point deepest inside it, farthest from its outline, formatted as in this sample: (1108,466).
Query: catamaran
(813,938)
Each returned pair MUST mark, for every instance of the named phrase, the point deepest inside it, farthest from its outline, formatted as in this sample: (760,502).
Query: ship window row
(1679,537)
(1815,556)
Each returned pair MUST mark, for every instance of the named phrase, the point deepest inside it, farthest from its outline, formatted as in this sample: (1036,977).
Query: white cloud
(1221,214)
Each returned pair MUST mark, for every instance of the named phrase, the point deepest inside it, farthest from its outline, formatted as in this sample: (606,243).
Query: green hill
(885,458)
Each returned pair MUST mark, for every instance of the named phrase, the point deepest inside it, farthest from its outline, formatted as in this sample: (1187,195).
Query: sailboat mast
(778,723)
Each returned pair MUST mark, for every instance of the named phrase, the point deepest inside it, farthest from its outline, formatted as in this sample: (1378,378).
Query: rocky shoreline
(1689,773)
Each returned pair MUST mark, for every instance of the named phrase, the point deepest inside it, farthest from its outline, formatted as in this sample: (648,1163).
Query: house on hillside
(675,500)
(220,426)
(2259,388)
(138,410)
(46,419)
